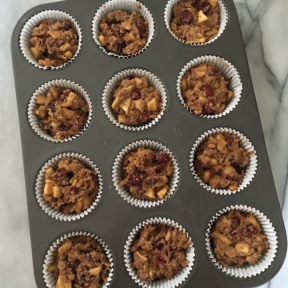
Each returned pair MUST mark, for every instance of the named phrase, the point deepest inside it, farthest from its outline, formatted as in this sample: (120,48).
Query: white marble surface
(265,30)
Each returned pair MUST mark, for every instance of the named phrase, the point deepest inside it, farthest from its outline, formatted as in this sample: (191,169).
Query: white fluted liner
(244,142)
(34,120)
(124,5)
(107,96)
(50,257)
(25,35)
(179,278)
(227,70)
(168,14)
(247,271)
(40,183)
(117,173)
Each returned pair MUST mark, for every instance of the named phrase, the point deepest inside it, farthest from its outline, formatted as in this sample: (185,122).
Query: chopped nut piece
(41,99)
(48,188)
(202,17)
(213,3)
(63,284)
(95,271)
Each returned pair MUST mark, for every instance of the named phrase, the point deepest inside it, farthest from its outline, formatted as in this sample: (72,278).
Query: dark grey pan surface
(191,206)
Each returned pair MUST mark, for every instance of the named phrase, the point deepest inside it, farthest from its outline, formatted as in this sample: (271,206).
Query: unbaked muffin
(146,173)
(123,33)
(53,42)
(80,262)
(220,161)
(136,102)
(62,112)
(237,239)
(195,21)
(205,90)
(159,252)
(71,187)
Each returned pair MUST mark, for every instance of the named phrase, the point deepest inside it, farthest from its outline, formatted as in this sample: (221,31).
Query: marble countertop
(264,26)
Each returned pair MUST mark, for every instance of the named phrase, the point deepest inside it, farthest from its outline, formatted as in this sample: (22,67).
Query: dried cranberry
(74,190)
(198,166)
(93,176)
(215,70)
(58,42)
(237,168)
(147,162)
(64,128)
(70,174)
(247,231)
(212,172)
(135,93)
(51,106)
(204,6)
(142,27)
(152,179)
(120,47)
(134,180)
(207,109)
(62,172)
(161,167)
(235,222)
(143,116)
(208,90)
(160,259)
(67,25)
(161,157)
(186,17)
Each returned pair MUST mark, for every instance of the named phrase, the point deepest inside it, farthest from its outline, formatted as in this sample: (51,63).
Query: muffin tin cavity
(40,186)
(117,173)
(127,6)
(246,271)
(250,170)
(168,14)
(32,22)
(179,277)
(112,85)
(34,120)
(50,257)
(227,70)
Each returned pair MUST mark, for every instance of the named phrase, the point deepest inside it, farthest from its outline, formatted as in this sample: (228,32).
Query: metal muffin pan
(191,205)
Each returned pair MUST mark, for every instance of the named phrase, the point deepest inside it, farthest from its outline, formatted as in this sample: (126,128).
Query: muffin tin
(191,205)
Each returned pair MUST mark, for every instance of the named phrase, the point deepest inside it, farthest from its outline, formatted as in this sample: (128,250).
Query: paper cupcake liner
(168,13)
(179,278)
(227,70)
(117,174)
(24,40)
(250,170)
(34,120)
(50,257)
(40,183)
(247,271)
(107,97)
(124,5)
